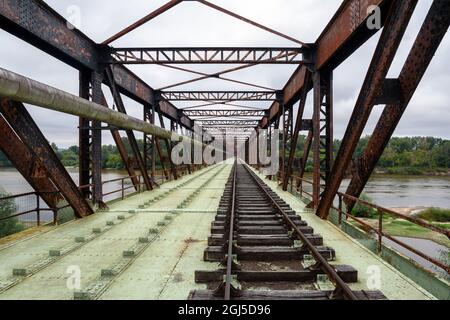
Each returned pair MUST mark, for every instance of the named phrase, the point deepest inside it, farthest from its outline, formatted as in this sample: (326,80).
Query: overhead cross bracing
(224,113)
(218,95)
(207,55)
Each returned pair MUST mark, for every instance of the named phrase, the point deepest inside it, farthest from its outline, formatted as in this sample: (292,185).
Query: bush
(66,214)
(363,211)
(7,208)
(406,171)
(435,215)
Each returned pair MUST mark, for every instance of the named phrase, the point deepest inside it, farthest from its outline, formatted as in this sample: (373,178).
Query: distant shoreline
(385,172)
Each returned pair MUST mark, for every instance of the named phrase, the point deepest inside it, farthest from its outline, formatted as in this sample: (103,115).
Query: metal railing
(21,205)
(382,213)
(29,207)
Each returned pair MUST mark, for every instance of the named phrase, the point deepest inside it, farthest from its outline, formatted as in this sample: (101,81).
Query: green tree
(7,208)
(114,161)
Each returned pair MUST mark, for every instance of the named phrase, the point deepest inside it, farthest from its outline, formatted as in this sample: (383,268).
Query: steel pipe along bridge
(231,189)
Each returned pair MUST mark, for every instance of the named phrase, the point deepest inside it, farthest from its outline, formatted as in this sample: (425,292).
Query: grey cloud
(191,24)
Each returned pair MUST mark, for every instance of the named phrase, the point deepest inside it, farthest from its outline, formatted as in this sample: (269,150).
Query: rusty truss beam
(27,130)
(218,95)
(27,164)
(130,134)
(206,55)
(224,113)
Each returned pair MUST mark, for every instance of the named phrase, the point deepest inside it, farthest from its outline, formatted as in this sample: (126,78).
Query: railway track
(267,251)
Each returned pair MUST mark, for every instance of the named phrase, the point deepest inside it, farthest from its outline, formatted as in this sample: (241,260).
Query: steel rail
(324,265)
(227,294)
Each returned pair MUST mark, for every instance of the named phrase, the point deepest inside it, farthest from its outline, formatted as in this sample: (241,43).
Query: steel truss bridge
(36,23)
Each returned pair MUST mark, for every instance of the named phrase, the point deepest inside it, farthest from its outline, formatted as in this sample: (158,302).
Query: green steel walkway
(149,245)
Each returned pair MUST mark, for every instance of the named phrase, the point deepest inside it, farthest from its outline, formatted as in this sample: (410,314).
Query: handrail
(37,194)
(379,230)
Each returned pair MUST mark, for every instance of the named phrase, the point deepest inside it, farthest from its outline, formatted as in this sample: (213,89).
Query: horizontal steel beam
(206,55)
(218,95)
(214,130)
(235,123)
(225,113)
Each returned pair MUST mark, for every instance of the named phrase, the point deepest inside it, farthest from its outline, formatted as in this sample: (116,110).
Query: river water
(385,190)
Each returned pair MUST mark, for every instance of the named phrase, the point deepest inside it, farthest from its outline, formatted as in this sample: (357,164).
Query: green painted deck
(149,245)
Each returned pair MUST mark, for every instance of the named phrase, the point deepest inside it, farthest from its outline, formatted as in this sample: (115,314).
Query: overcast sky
(191,24)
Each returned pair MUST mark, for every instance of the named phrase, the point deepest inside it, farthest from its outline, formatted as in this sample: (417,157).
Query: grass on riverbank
(435,215)
(402,228)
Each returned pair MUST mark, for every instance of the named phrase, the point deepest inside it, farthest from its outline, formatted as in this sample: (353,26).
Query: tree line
(403,155)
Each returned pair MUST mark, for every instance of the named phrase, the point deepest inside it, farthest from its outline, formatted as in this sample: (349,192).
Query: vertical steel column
(326,129)
(322,128)
(287,139)
(84,139)
(149,141)
(316,138)
(96,144)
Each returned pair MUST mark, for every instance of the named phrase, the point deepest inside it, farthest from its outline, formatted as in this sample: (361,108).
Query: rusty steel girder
(395,27)
(427,42)
(25,127)
(27,164)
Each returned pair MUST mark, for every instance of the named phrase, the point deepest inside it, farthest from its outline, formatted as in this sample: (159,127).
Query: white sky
(191,24)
